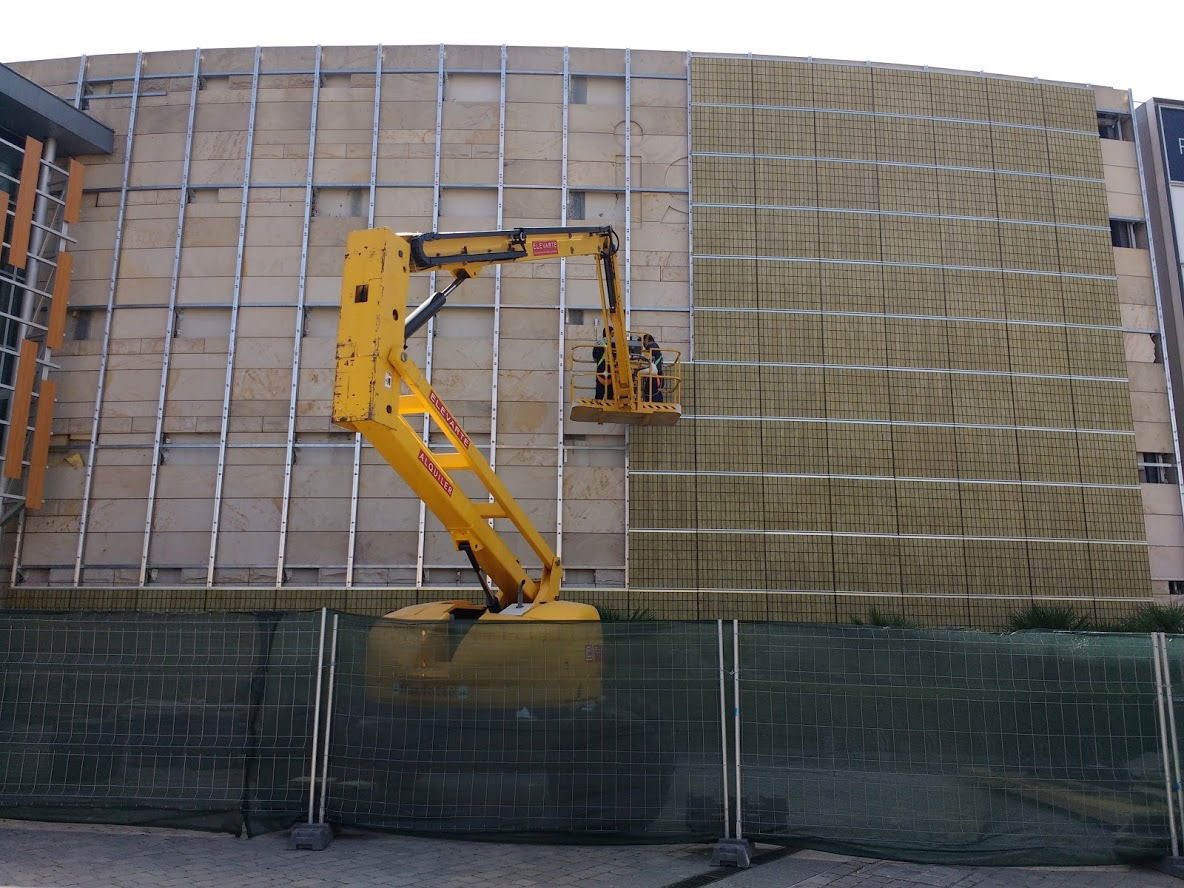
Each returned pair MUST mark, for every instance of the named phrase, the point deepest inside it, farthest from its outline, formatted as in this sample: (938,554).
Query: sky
(1135,45)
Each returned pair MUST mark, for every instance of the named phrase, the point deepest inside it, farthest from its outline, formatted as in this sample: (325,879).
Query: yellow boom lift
(378,388)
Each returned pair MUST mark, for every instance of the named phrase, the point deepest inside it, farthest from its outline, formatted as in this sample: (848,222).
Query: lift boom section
(378,388)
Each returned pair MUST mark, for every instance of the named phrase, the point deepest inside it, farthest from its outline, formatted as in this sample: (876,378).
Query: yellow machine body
(550,655)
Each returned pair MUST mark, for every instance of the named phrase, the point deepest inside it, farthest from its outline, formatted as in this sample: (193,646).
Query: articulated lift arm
(378,387)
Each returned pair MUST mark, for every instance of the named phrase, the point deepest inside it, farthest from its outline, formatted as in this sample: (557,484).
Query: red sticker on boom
(544,248)
(449,419)
(435,472)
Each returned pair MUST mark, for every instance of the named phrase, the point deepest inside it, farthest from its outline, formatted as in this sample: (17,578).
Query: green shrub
(876,617)
(1048,616)
(1153,618)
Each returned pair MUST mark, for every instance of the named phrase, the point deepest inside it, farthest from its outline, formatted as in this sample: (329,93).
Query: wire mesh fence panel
(952,746)
(279,747)
(145,718)
(570,729)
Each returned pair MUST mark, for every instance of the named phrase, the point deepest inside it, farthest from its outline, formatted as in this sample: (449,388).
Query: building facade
(919,373)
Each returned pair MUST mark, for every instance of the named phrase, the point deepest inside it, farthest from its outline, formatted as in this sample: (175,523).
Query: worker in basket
(652,375)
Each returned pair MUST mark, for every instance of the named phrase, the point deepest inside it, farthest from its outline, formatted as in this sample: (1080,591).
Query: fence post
(1157,667)
(312,836)
(730,851)
(1173,864)
(723,729)
(328,722)
(1173,742)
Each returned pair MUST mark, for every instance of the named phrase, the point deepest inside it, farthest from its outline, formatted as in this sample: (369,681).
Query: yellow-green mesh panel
(786,133)
(902,92)
(799,562)
(860,506)
(930,508)
(904,140)
(781,182)
(867,564)
(1107,459)
(783,84)
(962,144)
(1075,154)
(723,130)
(1090,301)
(1015,101)
(797,504)
(925,452)
(1033,297)
(1078,203)
(988,454)
(721,80)
(842,86)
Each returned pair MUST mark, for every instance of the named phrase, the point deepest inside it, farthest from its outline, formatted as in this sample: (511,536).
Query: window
(1175,587)
(575,317)
(1115,126)
(579,90)
(1128,233)
(81,325)
(1158,468)
(577,202)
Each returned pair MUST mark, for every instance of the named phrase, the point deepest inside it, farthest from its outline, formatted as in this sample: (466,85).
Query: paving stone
(62,855)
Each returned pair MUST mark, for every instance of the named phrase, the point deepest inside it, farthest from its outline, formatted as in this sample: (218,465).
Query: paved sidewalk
(50,855)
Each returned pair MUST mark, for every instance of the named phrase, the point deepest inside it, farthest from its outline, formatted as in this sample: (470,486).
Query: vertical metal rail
(352,545)
(560,453)
(299,325)
(80,84)
(105,349)
(170,326)
(328,717)
(15,573)
(235,302)
(316,719)
(628,241)
(736,718)
(723,727)
(690,220)
(1173,736)
(421,534)
(1157,668)
(41,219)
(628,262)
(497,269)
(1159,325)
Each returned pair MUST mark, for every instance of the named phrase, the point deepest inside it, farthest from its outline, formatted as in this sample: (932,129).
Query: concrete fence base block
(732,852)
(310,837)
(1173,866)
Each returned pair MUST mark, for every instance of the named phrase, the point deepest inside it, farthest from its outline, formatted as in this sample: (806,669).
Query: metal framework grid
(37,193)
(154,567)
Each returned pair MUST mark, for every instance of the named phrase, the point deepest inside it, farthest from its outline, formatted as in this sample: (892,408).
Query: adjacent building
(923,342)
